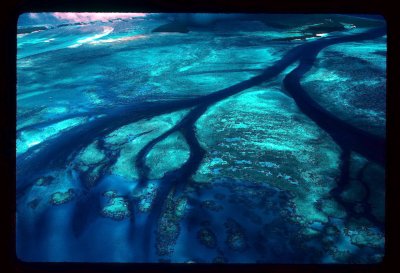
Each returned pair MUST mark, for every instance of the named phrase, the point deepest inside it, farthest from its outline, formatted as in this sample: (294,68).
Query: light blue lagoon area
(201,138)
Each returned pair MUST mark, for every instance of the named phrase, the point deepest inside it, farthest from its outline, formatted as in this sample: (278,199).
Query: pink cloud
(93,16)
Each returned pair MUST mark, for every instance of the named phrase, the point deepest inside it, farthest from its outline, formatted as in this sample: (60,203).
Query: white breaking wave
(106,31)
(122,39)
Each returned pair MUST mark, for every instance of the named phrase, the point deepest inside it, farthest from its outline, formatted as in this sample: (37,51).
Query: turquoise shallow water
(242,139)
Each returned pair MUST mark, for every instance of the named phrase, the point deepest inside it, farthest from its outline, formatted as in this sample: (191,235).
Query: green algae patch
(167,155)
(116,209)
(59,198)
(130,139)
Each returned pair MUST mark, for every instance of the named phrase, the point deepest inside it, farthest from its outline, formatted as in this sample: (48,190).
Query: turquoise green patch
(59,198)
(30,138)
(130,139)
(167,155)
(117,209)
(91,155)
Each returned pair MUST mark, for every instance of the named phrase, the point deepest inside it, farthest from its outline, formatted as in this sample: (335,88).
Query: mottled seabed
(142,146)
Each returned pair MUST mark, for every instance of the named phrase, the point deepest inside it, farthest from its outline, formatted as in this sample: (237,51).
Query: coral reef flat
(200,138)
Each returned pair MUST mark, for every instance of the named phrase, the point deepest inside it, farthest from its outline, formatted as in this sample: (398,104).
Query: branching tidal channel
(56,151)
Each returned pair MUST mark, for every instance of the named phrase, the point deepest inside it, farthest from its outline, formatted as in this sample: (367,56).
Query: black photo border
(12,9)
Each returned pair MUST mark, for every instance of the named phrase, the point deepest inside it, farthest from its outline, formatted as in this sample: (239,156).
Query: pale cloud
(33,15)
(93,16)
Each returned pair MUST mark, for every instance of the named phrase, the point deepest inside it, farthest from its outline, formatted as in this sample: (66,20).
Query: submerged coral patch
(207,237)
(131,138)
(116,209)
(236,238)
(167,155)
(59,198)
